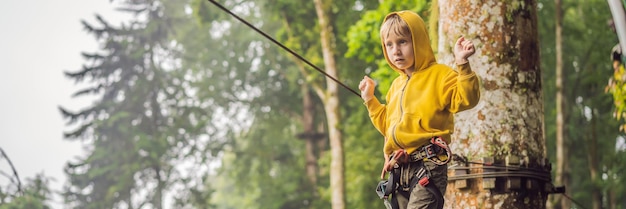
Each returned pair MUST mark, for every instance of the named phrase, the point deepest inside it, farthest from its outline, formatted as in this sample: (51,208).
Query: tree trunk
(433,25)
(507,124)
(562,172)
(594,162)
(612,199)
(331,107)
(158,195)
(310,137)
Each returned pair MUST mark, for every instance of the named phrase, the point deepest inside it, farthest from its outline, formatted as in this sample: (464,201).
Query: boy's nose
(396,50)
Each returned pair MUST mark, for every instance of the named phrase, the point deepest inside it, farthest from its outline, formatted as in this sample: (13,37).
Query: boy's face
(400,51)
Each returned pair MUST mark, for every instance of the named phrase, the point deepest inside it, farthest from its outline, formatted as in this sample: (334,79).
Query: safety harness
(400,178)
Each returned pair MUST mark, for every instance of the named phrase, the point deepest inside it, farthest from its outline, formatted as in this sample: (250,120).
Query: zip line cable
(574,201)
(510,171)
(282,46)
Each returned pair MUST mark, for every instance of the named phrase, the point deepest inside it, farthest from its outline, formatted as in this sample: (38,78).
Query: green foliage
(24,202)
(364,159)
(33,195)
(617,88)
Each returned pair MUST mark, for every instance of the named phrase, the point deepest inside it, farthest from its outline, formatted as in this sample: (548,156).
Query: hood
(424,56)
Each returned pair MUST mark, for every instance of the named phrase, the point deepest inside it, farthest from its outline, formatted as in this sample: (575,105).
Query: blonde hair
(394,23)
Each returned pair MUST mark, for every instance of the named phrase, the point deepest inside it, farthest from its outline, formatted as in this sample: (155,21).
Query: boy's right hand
(367,88)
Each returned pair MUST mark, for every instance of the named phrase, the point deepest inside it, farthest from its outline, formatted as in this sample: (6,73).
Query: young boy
(420,108)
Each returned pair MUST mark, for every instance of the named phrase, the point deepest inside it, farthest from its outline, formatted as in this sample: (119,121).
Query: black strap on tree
(282,46)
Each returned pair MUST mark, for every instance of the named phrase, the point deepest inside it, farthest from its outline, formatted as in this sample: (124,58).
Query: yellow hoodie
(422,105)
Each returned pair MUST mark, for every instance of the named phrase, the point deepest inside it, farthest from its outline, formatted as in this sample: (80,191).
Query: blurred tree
(329,23)
(249,76)
(293,32)
(360,143)
(34,195)
(267,165)
(562,170)
(592,122)
(586,109)
(145,120)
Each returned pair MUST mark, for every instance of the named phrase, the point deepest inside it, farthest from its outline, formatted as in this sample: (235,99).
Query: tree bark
(508,121)
(331,106)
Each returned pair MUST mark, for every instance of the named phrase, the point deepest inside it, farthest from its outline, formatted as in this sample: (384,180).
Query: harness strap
(386,188)
(422,178)
(432,151)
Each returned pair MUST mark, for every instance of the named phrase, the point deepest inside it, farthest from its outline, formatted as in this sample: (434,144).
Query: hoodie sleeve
(377,113)
(461,89)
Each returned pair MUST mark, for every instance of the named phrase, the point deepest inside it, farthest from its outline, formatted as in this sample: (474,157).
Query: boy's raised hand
(367,88)
(462,50)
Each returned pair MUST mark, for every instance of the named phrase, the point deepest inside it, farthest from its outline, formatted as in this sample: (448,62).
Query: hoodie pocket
(410,124)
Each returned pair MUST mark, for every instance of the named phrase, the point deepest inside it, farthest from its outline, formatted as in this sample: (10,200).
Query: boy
(420,108)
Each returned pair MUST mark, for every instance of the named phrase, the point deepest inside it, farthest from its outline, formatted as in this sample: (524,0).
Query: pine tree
(143,119)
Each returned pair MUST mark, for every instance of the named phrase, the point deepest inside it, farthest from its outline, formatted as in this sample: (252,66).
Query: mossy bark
(508,121)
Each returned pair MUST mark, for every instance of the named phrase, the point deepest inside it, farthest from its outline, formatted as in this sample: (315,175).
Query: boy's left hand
(462,50)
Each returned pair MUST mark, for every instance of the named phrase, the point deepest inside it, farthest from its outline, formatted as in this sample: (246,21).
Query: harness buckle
(430,150)
(381,189)
(440,145)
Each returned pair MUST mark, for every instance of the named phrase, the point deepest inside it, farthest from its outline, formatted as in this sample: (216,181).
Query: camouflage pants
(419,197)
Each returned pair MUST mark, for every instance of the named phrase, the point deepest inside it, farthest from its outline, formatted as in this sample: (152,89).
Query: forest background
(195,110)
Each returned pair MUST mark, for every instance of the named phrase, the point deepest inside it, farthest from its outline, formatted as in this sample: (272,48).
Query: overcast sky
(38,42)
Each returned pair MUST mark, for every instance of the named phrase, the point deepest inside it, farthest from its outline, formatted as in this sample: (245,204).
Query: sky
(39,41)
